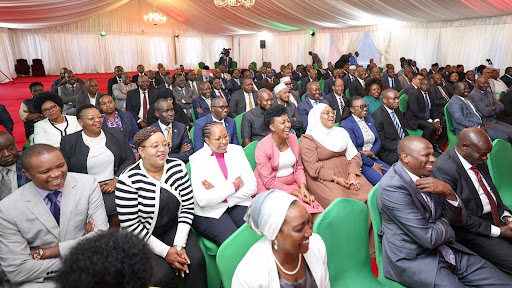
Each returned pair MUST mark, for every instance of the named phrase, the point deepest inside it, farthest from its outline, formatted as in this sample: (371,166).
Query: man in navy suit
(176,133)
(202,104)
(118,70)
(269,67)
(312,77)
(226,60)
(135,101)
(168,83)
(391,80)
(235,81)
(314,93)
(220,111)
(470,79)
(329,83)
(11,177)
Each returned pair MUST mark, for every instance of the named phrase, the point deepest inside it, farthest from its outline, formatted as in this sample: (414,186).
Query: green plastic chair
(249,151)
(321,83)
(264,64)
(299,83)
(193,115)
(200,64)
(381,69)
(344,228)
(499,168)
(501,94)
(315,66)
(401,92)
(337,125)
(303,96)
(347,93)
(192,135)
(210,252)
(452,138)
(216,64)
(235,65)
(27,144)
(233,250)
(254,65)
(377,225)
(402,105)
(238,121)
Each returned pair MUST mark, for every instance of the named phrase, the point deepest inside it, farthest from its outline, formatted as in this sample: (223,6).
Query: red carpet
(14,94)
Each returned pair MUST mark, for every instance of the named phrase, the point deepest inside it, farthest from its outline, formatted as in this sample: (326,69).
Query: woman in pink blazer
(278,161)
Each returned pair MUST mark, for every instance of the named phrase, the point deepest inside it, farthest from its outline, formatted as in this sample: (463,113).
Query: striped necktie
(398,127)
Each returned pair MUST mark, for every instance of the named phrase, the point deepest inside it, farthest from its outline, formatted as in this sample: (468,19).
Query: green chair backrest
(193,115)
(264,64)
(299,83)
(401,92)
(381,69)
(303,97)
(344,228)
(499,168)
(452,138)
(403,103)
(233,250)
(238,121)
(377,225)
(501,94)
(337,125)
(192,136)
(315,66)
(216,64)
(250,151)
(254,65)
(200,64)
(235,65)
(347,93)
(321,83)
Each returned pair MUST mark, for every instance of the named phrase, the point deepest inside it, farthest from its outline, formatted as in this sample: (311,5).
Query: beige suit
(119,90)
(26,223)
(404,81)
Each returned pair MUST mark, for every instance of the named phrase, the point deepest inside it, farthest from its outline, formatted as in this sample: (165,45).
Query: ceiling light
(234,3)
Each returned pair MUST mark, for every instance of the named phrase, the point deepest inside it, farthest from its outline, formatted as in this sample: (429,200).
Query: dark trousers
(429,132)
(164,275)
(218,230)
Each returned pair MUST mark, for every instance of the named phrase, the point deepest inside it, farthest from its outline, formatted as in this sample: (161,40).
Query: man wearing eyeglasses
(220,111)
(176,133)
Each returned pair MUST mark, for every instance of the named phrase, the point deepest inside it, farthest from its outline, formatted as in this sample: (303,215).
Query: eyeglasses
(51,109)
(164,145)
(288,84)
(333,112)
(91,118)
(225,138)
(222,107)
(362,107)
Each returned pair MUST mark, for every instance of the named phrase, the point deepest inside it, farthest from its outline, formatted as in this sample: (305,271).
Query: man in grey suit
(69,93)
(418,243)
(44,219)
(241,101)
(183,95)
(193,83)
(91,96)
(121,89)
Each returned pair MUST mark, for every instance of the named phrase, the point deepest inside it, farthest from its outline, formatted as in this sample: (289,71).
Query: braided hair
(207,128)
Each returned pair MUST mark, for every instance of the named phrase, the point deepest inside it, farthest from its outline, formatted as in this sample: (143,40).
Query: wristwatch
(508,220)
(178,247)
(38,254)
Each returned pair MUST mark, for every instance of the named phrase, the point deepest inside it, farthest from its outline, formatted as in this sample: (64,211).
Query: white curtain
(347,40)
(7,59)
(194,49)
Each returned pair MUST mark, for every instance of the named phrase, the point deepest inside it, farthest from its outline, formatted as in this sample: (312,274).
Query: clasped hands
(304,195)
(178,260)
(351,180)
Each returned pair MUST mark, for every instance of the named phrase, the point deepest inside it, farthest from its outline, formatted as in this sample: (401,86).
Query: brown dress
(321,164)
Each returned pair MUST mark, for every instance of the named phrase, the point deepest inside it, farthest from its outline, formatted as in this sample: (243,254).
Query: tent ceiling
(266,15)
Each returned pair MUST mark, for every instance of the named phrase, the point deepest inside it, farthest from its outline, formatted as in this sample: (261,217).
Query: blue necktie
(315,103)
(54,206)
(392,82)
(427,106)
(397,125)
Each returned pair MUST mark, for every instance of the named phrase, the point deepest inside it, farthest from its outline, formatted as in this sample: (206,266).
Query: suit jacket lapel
(36,205)
(415,192)
(466,179)
(67,204)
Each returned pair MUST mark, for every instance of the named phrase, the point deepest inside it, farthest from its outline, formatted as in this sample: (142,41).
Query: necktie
(5,183)
(126,87)
(208,101)
(73,89)
(144,107)
(443,93)
(169,137)
(182,93)
(397,125)
(445,250)
(54,206)
(494,207)
(392,82)
(315,103)
(427,105)
(341,104)
(250,102)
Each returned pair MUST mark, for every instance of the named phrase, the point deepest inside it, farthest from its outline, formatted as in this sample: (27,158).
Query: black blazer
(387,133)
(334,104)
(356,89)
(454,174)
(416,109)
(237,103)
(133,104)
(439,100)
(75,151)
(135,78)
(111,83)
(397,87)
(506,114)
(471,86)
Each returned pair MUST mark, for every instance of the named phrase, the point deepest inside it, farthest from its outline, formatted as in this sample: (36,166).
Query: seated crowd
(170,158)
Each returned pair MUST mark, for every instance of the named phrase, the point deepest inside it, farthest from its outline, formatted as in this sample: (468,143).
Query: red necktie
(144,107)
(494,208)
(73,89)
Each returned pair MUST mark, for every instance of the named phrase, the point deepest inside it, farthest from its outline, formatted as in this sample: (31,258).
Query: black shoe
(437,150)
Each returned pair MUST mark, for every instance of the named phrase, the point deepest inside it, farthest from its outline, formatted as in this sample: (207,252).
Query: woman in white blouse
(223,183)
(102,152)
(55,126)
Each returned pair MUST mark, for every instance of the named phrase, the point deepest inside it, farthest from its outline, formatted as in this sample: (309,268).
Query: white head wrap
(352,67)
(285,79)
(279,87)
(267,212)
(335,139)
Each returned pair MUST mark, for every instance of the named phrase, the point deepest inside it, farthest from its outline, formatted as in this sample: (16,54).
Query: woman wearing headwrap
(331,161)
(290,254)
(155,201)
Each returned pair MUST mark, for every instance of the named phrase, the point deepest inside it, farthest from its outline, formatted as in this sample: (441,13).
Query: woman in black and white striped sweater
(154,201)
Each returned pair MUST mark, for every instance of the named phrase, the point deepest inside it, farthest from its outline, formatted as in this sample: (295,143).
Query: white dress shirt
(91,99)
(100,161)
(141,110)
(249,98)
(164,128)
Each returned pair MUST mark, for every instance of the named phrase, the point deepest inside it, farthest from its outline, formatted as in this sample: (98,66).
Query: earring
(275,245)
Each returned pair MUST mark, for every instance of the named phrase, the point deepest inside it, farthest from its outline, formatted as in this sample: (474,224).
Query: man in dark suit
(153,81)
(470,79)
(337,100)
(297,73)
(235,81)
(421,114)
(160,74)
(312,99)
(243,100)
(441,95)
(418,244)
(282,94)
(226,60)
(356,85)
(92,95)
(220,111)
(205,77)
(139,100)
(28,113)
(347,79)
(168,83)
(217,74)
(329,83)
(5,119)
(487,230)
(270,81)
(287,72)
(506,114)
(507,77)
(321,72)
(118,70)
(140,72)
(202,104)
(269,67)
(312,77)
(391,126)
(11,176)
(176,133)
(218,91)
(390,80)
(415,83)
(259,76)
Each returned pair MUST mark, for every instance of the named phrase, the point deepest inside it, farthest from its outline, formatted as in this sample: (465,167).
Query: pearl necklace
(285,271)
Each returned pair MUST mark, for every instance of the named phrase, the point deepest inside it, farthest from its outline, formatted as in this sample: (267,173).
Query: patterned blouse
(117,123)
(368,135)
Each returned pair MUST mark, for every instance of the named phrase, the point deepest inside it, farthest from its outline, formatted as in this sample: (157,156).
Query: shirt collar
(312,101)
(413,177)
(206,99)
(12,167)
(215,120)
(464,162)
(358,120)
(387,109)
(163,127)
(44,193)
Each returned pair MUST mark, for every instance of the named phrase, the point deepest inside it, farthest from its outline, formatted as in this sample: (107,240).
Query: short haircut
(158,103)
(82,108)
(42,97)
(103,95)
(274,111)
(34,84)
(108,259)
(35,150)
(207,129)
(370,82)
(508,70)
(416,76)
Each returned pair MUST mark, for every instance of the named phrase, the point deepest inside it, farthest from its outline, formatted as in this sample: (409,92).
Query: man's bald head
(473,144)
(416,155)
(218,101)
